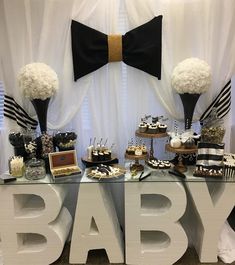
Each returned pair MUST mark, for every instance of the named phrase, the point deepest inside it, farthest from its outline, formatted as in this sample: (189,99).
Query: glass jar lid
(34,162)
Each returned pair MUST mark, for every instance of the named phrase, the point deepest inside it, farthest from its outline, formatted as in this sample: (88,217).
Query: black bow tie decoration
(140,48)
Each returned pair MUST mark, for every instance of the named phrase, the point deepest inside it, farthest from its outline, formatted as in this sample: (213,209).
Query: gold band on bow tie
(115,48)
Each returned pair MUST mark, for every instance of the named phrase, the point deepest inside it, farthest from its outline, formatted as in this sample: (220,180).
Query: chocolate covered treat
(105,171)
(208,172)
(95,156)
(143,127)
(152,128)
(101,156)
(130,150)
(159,164)
(162,128)
(153,163)
(107,155)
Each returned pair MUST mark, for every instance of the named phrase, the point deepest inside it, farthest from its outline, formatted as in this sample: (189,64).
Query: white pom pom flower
(38,81)
(191,76)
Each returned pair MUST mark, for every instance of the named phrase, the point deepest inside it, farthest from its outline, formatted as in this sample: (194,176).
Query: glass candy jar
(65,140)
(17,141)
(189,143)
(35,169)
(213,129)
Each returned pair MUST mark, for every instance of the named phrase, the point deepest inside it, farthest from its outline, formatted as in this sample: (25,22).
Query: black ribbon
(141,48)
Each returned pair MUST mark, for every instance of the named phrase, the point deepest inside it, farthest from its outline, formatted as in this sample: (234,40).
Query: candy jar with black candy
(17,141)
(65,140)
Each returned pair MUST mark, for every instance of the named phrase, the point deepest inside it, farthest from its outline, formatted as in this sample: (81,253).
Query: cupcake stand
(151,136)
(180,151)
(136,166)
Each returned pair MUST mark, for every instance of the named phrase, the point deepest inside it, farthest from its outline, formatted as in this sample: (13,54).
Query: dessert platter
(206,172)
(158,164)
(106,172)
(98,153)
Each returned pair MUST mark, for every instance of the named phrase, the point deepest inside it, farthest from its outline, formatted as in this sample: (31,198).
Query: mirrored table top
(149,175)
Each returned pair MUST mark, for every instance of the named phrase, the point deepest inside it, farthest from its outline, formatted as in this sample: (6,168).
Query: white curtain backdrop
(191,28)
(110,102)
(39,31)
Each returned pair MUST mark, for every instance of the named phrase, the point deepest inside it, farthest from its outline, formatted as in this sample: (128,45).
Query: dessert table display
(155,200)
(155,197)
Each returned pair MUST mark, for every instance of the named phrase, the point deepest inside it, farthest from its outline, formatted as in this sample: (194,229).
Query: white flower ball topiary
(191,76)
(38,81)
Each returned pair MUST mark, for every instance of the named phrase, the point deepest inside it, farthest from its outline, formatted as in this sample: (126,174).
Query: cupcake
(130,150)
(143,127)
(161,166)
(162,128)
(152,128)
(167,164)
(138,151)
(155,165)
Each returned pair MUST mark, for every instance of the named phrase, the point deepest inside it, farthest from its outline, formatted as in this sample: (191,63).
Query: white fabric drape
(191,28)
(116,96)
(196,28)
(39,31)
